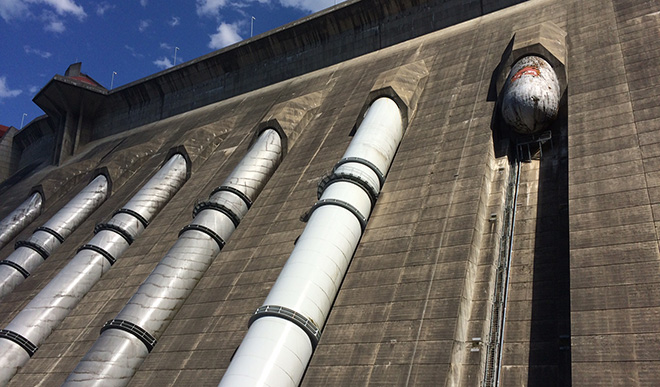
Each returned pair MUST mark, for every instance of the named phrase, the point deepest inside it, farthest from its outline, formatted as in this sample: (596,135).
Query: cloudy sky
(132,38)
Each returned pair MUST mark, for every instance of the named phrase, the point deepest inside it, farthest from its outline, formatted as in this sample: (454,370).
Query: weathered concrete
(416,303)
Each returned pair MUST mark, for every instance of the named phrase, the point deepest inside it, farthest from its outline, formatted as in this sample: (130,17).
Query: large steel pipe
(47,238)
(285,330)
(21,338)
(531,96)
(127,339)
(18,219)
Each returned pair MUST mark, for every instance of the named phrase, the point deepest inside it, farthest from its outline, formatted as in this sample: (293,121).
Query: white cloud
(103,7)
(35,51)
(144,24)
(33,89)
(133,52)
(5,91)
(63,7)
(165,46)
(144,3)
(53,24)
(163,63)
(10,9)
(309,5)
(210,7)
(175,21)
(227,34)
(50,12)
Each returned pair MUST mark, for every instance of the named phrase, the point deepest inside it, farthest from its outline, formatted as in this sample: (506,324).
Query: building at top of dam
(400,192)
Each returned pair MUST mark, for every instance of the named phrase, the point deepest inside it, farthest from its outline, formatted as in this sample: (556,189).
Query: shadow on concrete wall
(549,346)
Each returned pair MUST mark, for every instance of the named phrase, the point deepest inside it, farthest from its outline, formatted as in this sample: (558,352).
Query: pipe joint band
(217,207)
(236,192)
(116,229)
(333,178)
(20,340)
(31,245)
(366,163)
(16,267)
(100,251)
(291,315)
(52,232)
(145,337)
(340,203)
(134,214)
(205,230)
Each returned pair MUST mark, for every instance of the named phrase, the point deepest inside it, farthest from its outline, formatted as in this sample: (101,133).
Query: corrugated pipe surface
(21,338)
(47,238)
(20,218)
(285,330)
(127,339)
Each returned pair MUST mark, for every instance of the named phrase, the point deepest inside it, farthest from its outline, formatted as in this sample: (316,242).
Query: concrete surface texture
(420,304)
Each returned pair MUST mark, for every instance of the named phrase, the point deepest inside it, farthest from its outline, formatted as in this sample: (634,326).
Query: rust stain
(527,70)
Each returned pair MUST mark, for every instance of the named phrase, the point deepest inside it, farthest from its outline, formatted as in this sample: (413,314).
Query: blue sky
(134,38)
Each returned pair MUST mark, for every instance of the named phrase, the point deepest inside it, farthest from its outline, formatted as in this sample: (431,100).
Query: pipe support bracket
(340,203)
(134,214)
(217,207)
(31,245)
(116,229)
(16,267)
(98,250)
(236,192)
(291,315)
(20,340)
(127,326)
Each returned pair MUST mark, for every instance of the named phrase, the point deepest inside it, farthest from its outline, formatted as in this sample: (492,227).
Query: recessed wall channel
(18,219)
(127,339)
(46,239)
(21,338)
(285,330)
(528,107)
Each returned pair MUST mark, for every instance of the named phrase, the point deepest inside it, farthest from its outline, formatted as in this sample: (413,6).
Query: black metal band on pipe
(366,163)
(127,326)
(134,214)
(334,178)
(291,315)
(116,229)
(16,267)
(100,251)
(205,230)
(340,203)
(31,245)
(236,192)
(20,340)
(217,207)
(52,232)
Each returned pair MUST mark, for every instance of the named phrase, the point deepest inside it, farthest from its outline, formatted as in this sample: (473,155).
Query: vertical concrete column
(21,338)
(127,339)
(31,254)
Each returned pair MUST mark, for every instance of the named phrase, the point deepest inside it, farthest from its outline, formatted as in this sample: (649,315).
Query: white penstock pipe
(126,340)
(21,338)
(285,330)
(31,254)
(20,218)
(530,101)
